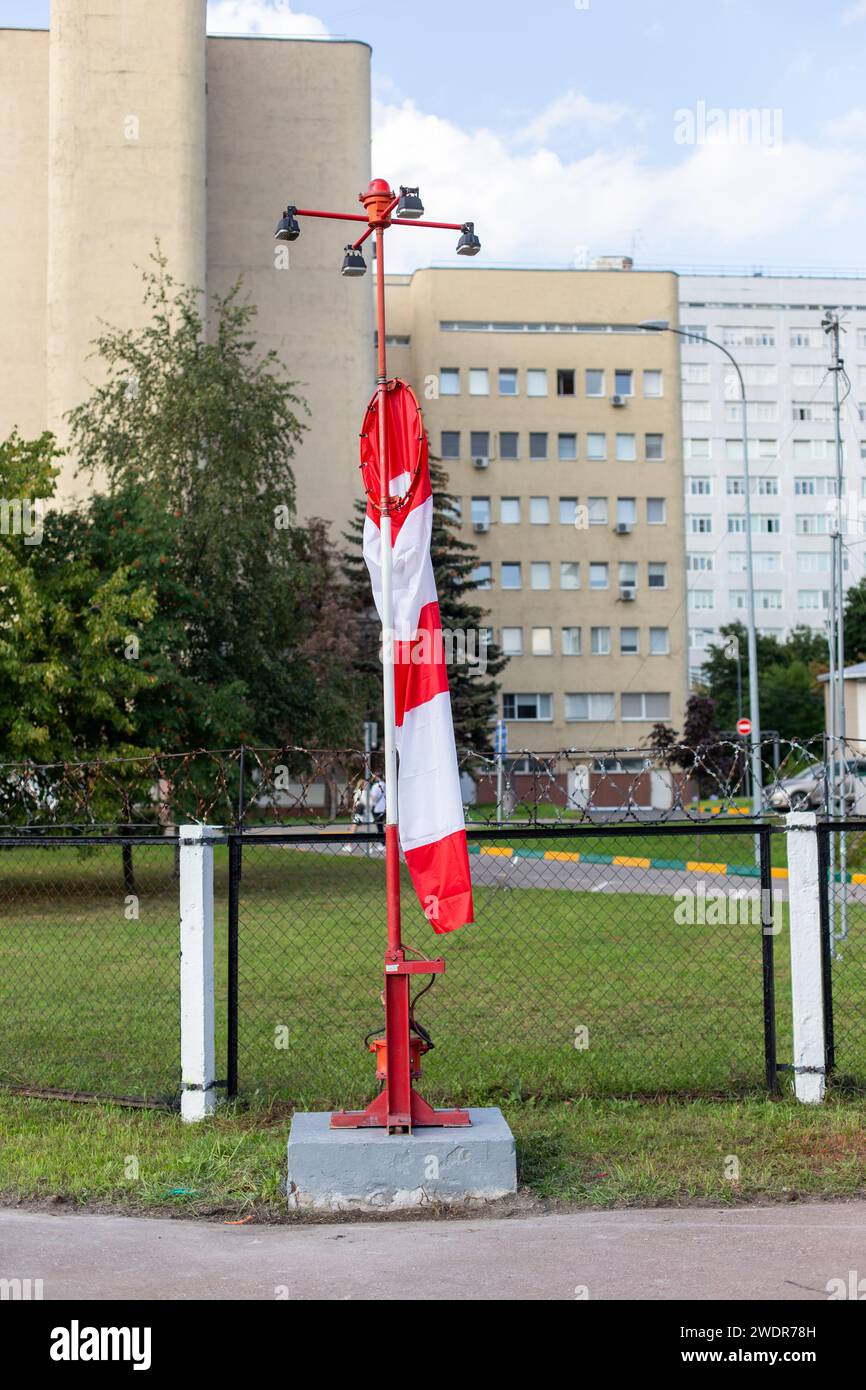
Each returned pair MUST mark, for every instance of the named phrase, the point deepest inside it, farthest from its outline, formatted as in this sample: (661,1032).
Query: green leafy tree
(67,624)
(790,697)
(473,696)
(855,622)
(194,433)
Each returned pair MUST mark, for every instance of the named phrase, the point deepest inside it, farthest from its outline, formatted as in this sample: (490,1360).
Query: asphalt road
(785,1252)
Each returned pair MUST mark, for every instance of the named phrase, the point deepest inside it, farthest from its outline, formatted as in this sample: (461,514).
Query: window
(538,446)
(700,562)
(806,338)
(508,381)
(748,337)
(479,443)
(449,447)
(527,707)
(657,574)
(701,599)
(626,451)
(479,381)
(659,641)
(569,574)
(768,598)
(598,576)
(656,511)
(807,376)
(699,487)
(645,706)
(696,374)
(627,574)
(737,599)
(696,449)
(652,384)
(596,447)
(571,641)
(696,411)
(816,487)
(540,574)
(567,511)
(536,381)
(821,412)
(449,381)
(599,641)
(754,374)
(508,444)
(626,511)
(694,333)
(567,447)
(813,524)
(480,511)
(814,450)
(622,383)
(594,707)
(763,561)
(813,600)
(511,574)
(701,637)
(482,576)
(758,449)
(758,487)
(629,641)
(512,641)
(766,525)
(654,447)
(597,509)
(813,561)
(565,381)
(539,511)
(594,381)
(762,411)
(542,641)
(509,511)
(699,525)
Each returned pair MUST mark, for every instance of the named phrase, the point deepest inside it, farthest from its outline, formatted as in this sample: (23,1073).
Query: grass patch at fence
(595,1152)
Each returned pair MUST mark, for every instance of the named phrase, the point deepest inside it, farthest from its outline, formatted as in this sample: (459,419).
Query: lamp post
(398,1106)
(662,326)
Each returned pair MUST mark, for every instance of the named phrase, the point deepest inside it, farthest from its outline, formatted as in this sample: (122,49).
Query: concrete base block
(369,1170)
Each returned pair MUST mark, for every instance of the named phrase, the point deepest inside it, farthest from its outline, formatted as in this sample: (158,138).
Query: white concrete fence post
(197,1050)
(807,982)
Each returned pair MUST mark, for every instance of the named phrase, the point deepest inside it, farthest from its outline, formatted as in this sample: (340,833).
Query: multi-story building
(558,421)
(125,124)
(772,325)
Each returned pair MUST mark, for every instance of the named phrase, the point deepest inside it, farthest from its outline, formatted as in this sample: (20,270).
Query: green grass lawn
(597,1153)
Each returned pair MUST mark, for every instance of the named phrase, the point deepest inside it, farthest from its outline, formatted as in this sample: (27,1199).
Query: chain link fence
(842,860)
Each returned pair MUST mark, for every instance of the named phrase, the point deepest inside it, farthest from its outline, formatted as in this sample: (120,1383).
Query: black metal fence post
(769,974)
(825,889)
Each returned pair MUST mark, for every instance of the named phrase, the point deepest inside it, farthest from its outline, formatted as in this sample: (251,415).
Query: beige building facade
(125,124)
(558,421)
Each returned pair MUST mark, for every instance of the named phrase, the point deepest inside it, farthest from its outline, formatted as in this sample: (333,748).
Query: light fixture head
(353,262)
(410,204)
(469,244)
(288,228)
(655,325)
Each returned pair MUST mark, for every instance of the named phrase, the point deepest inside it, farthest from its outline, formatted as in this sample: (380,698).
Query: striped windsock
(429,801)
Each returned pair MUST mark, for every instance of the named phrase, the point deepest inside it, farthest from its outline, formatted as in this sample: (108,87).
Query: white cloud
(854,13)
(574,109)
(271,17)
(851,126)
(532,206)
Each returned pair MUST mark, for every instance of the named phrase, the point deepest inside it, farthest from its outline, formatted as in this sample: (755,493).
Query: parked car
(806,790)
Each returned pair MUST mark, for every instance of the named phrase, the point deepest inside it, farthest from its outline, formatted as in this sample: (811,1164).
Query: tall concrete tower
(126,164)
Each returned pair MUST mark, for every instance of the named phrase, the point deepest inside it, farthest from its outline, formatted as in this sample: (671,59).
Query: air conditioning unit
(618,400)
(481,461)
(623,528)
(479,527)
(626,593)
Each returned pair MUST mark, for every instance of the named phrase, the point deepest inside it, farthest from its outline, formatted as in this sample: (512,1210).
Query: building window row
(537,381)
(571,641)
(588,707)
(802,450)
(625,446)
(594,511)
(512,572)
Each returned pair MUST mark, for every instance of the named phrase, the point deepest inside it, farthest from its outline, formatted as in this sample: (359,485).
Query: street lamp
(398,1106)
(662,326)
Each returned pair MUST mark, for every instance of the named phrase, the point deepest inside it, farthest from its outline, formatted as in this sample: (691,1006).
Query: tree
(855,622)
(473,695)
(67,624)
(790,697)
(194,435)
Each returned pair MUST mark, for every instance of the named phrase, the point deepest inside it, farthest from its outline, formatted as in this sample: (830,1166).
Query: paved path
(785,1252)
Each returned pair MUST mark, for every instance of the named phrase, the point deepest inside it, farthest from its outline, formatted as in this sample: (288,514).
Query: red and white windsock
(430,805)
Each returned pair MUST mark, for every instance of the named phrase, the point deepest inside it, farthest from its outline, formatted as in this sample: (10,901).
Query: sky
(572,128)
